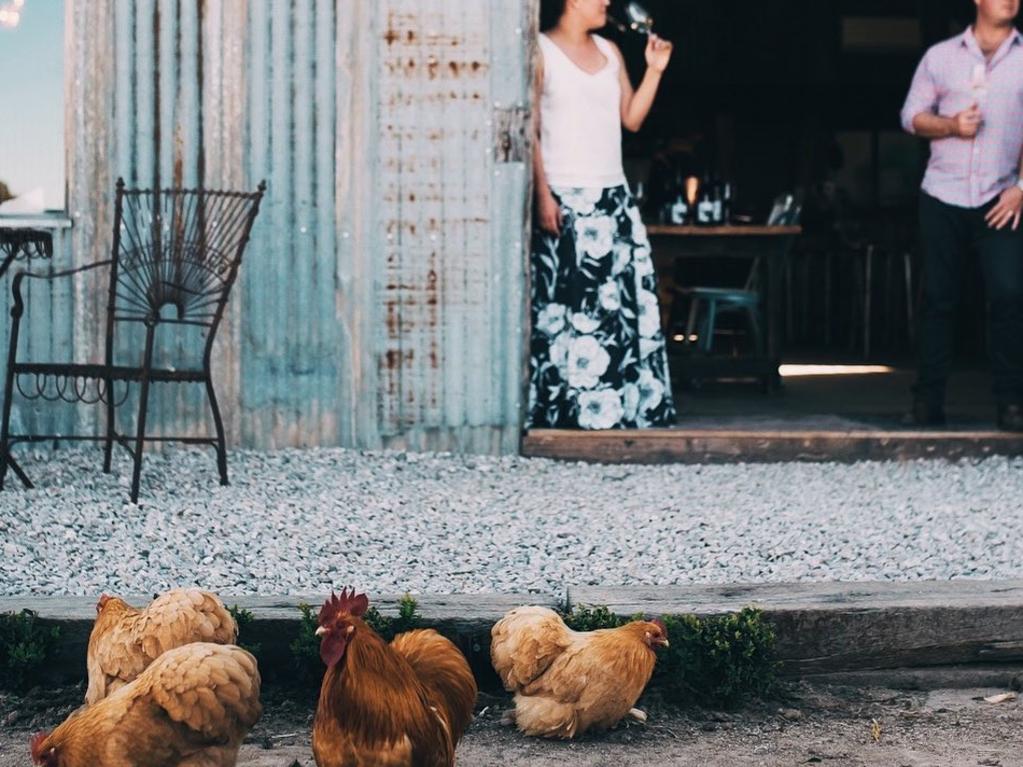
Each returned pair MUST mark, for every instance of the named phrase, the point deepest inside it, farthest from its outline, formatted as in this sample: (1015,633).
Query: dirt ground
(823,725)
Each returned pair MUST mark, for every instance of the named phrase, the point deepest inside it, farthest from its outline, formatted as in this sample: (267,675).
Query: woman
(598,354)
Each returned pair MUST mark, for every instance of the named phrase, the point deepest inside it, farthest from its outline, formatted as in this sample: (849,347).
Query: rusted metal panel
(382,298)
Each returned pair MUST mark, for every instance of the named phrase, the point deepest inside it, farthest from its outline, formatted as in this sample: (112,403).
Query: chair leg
(827,299)
(908,268)
(108,446)
(694,313)
(140,439)
(758,334)
(6,461)
(219,424)
(868,280)
(707,341)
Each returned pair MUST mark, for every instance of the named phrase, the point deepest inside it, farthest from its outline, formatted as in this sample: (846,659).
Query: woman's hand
(549,212)
(658,53)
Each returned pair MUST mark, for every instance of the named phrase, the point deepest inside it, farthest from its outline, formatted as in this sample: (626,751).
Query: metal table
(22,238)
(765,247)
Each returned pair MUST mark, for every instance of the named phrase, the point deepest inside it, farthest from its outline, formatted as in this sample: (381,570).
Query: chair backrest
(177,248)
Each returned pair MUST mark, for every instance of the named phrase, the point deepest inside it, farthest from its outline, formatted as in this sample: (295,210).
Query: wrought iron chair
(176,249)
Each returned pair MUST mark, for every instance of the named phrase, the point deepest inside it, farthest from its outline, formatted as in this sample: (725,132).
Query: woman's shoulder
(609,49)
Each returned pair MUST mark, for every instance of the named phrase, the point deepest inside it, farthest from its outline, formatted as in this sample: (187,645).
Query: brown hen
(125,640)
(190,708)
(567,682)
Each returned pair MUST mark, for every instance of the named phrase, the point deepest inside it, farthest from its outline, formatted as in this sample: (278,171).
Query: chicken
(190,708)
(567,682)
(387,705)
(125,640)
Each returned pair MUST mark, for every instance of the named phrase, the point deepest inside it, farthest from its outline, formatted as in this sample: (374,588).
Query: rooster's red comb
(347,602)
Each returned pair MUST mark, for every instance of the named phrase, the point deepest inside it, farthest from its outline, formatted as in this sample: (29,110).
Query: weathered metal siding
(382,297)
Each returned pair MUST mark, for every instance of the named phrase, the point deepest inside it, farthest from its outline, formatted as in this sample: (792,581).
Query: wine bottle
(726,203)
(705,207)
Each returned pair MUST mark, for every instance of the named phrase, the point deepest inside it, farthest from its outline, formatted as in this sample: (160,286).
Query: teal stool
(711,303)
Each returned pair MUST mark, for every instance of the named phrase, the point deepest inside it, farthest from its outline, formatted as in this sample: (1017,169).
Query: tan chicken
(403,704)
(567,682)
(125,640)
(190,708)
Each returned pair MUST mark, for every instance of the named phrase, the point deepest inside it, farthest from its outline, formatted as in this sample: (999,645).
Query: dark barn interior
(803,96)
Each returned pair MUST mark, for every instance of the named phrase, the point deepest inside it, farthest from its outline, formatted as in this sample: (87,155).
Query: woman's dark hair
(551,12)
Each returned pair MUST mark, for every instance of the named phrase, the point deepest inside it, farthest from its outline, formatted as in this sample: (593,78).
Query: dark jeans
(951,236)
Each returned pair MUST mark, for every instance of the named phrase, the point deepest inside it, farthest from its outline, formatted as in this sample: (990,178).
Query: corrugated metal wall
(382,297)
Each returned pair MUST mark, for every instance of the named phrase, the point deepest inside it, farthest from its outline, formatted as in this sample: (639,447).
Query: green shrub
(305,648)
(244,619)
(722,660)
(717,661)
(25,648)
(591,619)
(388,628)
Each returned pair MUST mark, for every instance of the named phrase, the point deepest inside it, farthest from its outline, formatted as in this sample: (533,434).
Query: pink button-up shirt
(954,75)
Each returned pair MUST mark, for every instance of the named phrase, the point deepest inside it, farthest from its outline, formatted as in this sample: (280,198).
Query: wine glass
(637,20)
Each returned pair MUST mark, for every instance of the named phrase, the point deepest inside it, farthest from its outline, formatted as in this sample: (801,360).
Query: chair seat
(117,372)
(735,295)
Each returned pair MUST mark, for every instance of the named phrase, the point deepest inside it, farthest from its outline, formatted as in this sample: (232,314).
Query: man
(967,99)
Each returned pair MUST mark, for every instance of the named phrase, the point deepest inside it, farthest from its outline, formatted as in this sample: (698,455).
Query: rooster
(401,704)
(125,640)
(567,682)
(191,707)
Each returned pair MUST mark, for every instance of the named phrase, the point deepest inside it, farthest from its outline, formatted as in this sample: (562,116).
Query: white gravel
(304,521)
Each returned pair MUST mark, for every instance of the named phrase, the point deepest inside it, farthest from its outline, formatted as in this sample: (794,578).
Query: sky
(32,101)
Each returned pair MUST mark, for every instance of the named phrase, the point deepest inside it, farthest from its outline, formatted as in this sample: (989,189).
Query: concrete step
(822,628)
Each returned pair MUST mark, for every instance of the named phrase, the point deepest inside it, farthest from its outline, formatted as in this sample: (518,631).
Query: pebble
(299,522)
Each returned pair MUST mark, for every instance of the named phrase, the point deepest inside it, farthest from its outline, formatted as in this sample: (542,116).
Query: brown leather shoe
(924,414)
(1010,417)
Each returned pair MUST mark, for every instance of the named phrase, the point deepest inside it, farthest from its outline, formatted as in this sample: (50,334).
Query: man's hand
(658,53)
(549,212)
(1007,211)
(967,123)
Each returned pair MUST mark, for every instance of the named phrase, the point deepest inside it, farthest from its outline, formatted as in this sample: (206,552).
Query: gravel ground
(304,521)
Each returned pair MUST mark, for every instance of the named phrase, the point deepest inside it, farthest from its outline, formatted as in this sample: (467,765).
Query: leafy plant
(305,648)
(388,628)
(592,618)
(244,619)
(25,648)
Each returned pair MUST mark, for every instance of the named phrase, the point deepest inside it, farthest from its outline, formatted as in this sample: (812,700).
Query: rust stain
(179,158)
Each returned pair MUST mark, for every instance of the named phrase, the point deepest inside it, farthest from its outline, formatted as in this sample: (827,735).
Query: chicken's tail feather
(444,673)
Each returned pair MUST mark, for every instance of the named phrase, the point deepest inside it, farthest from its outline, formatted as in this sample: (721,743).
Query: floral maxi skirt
(598,358)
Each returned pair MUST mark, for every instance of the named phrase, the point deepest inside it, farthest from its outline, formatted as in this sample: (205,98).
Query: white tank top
(580,120)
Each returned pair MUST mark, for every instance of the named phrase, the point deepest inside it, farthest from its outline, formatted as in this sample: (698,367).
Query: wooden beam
(671,230)
(840,627)
(765,445)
